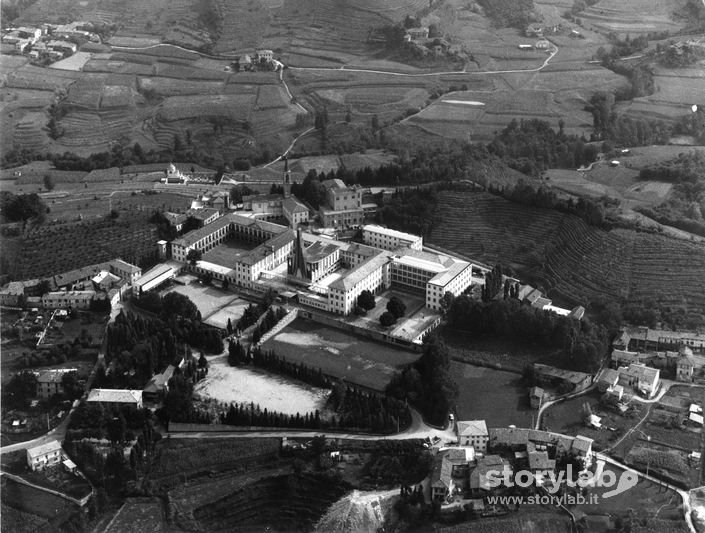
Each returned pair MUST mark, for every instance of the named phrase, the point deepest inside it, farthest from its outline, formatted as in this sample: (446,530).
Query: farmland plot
(634,17)
(233,106)
(177,87)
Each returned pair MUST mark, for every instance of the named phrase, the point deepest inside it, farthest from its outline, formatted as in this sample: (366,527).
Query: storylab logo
(551,481)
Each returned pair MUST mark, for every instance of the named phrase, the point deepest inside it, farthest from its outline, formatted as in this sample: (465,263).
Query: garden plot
(185,107)
(494,395)
(337,353)
(227,384)
(74,62)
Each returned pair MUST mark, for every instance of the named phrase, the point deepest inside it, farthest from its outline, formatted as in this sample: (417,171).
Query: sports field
(344,355)
(227,384)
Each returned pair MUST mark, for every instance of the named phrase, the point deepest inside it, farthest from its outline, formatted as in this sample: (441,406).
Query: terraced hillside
(293,501)
(572,260)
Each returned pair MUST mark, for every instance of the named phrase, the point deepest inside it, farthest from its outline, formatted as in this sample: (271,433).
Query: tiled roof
(360,272)
(469,428)
(268,247)
(446,277)
(192,237)
(115,396)
(318,251)
(44,449)
(119,264)
(292,205)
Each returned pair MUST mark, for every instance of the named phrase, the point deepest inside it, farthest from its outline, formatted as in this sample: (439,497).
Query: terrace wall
(363,332)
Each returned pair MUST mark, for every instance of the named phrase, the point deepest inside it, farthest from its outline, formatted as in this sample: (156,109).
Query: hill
(573,261)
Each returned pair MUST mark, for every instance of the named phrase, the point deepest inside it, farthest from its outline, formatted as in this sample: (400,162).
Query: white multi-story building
(343,205)
(294,211)
(45,455)
(389,239)
(433,273)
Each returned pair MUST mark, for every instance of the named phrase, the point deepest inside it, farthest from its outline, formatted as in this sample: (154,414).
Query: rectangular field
(209,300)
(494,395)
(340,354)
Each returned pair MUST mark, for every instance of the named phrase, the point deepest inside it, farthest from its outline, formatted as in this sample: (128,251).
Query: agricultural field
(228,384)
(634,18)
(48,250)
(139,514)
(211,300)
(494,395)
(573,261)
(675,91)
(175,457)
(340,354)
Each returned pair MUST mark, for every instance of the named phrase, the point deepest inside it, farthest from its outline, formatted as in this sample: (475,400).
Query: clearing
(228,384)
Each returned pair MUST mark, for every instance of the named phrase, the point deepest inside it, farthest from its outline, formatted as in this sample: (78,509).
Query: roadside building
(116,397)
(685,366)
(473,433)
(40,457)
(50,382)
(640,377)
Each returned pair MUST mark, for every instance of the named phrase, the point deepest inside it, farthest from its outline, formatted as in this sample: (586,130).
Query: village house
(50,382)
(343,205)
(176,220)
(536,397)
(640,377)
(685,366)
(158,385)
(116,397)
(607,378)
(450,471)
(563,380)
(49,454)
(473,433)
(479,476)
(294,211)
(416,34)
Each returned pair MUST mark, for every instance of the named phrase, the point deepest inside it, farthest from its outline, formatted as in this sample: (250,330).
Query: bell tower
(286,178)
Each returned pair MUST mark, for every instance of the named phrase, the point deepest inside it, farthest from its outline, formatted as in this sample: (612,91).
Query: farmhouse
(473,433)
(176,220)
(48,454)
(607,378)
(158,385)
(448,465)
(264,56)
(567,380)
(685,365)
(640,377)
(12,293)
(416,34)
(557,445)
(50,382)
(389,239)
(116,396)
(536,397)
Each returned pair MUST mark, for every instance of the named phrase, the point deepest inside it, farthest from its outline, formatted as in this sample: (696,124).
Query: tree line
(428,384)
(582,343)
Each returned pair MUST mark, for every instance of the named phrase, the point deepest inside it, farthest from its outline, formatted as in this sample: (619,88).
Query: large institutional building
(325,273)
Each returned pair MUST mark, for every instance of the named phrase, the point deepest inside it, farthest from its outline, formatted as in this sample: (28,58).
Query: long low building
(390,239)
(155,277)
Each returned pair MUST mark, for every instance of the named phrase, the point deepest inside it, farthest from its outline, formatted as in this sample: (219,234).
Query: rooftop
(469,428)
(115,396)
(119,264)
(567,375)
(292,205)
(641,372)
(192,237)
(154,273)
(361,272)
(390,232)
(334,184)
(318,251)
(44,449)
(53,375)
(446,277)
(266,248)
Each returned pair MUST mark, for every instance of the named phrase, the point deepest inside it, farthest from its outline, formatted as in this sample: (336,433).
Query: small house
(685,365)
(542,44)
(536,396)
(45,455)
(607,378)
